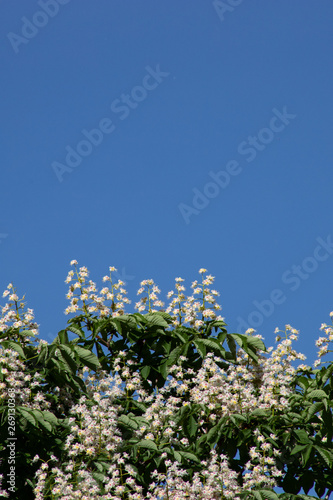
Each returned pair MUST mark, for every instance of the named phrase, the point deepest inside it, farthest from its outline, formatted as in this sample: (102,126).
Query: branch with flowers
(160,403)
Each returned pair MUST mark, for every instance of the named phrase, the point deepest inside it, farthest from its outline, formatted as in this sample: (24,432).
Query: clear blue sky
(212,147)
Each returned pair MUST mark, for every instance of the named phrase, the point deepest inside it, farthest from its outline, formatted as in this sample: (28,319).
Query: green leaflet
(148,444)
(325,454)
(318,393)
(188,456)
(269,495)
(26,414)
(9,344)
(87,357)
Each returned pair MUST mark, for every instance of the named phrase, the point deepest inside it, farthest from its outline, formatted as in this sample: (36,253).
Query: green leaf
(68,357)
(192,426)
(258,412)
(139,405)
(298,448)
(318,393)
(324,454)
(240,418)
(77,331)
(163,369)
(181,335)
(245,342)
(269,495)
(218,323)
(39,417)
(99,466)
(213,344)
(61,338)
(314,408)
(147,443)
(27,415)
(49,417)
(87,357)
(200,348)
(255,342)
(211,434)
(145,370)
(306,454)
(232,345)
(156,319)
(327,373)
(189,456)
(303,437)
(237,337)
(10,344)
(98,476)
(174,355)
(128,422)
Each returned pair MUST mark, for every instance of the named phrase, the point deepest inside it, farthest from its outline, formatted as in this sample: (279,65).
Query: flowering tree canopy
(160,403)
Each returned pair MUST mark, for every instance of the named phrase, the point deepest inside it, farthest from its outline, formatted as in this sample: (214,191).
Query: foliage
(159,403)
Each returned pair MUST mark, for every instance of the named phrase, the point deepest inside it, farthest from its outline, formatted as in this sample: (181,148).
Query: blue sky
(162,137)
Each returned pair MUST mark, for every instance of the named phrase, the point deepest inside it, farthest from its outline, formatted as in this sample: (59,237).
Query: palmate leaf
(127,422)
(232,345)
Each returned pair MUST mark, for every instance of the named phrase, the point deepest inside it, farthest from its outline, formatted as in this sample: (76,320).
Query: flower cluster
(83,294)
(323,342)
(216,481)
(14,375)
(193,310)
(261,466)
(149,301)
(196,308)
(14,319)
